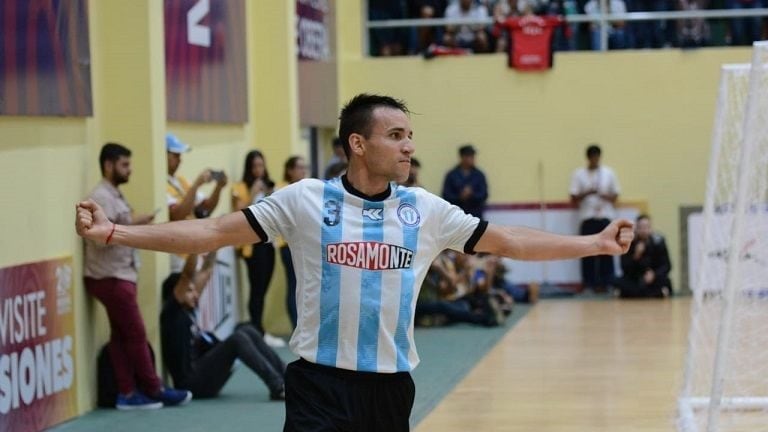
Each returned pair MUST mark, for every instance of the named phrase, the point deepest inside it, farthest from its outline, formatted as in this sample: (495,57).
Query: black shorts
(321,398)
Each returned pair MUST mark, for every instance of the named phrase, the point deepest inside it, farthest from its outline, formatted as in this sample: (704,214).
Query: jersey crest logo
(369,255)
(375,214)
(408,214)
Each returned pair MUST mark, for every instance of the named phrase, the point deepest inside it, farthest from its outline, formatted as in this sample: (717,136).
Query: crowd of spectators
(684,33)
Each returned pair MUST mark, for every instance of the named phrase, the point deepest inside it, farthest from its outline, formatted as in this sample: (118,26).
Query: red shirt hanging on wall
(530,47)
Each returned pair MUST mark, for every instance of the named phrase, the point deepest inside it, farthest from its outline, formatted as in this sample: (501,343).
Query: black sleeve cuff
(469,247)
(255,225)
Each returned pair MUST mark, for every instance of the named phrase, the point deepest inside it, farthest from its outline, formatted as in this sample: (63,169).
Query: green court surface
(447,355)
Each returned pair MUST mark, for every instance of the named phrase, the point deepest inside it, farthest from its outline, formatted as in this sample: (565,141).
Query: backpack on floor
(106,385)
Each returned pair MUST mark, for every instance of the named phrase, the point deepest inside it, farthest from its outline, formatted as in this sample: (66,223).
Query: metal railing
(603,20)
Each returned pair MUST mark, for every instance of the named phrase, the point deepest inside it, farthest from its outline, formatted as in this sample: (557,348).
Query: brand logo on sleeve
(369,255)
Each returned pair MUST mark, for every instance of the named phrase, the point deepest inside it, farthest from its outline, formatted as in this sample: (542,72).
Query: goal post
(726,376)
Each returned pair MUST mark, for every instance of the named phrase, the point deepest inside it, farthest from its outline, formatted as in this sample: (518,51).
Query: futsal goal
(725,385)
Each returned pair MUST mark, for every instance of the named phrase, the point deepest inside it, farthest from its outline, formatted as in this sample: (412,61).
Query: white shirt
(593,206)
(359,266)
(465,33)
(614,6)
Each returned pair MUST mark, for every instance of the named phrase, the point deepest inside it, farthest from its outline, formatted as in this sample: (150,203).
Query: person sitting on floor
(196,359)
(450,294)
(646,265)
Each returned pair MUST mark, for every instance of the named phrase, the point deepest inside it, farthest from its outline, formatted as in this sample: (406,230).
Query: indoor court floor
(576,366)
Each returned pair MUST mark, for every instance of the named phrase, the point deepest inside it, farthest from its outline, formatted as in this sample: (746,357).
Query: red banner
(37,352)
(45,58)
(312,35)
(205,61)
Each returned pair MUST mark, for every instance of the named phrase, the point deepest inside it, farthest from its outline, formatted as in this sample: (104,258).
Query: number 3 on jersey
(332,213)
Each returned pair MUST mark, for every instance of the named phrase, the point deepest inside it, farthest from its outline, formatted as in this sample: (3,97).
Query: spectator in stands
(465,185)
(387,41)
(110,276)
(473,36)
(594,190)
(503,10)
(650,33)
(617,36)
(693,32)
(427,9)
(646,265)
(294,170)
(197,359)
(745,30)
(259,258)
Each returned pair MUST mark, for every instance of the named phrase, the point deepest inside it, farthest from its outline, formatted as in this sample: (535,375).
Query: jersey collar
(378,197)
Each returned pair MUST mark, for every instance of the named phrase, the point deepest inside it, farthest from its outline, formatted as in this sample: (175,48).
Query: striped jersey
(359,264)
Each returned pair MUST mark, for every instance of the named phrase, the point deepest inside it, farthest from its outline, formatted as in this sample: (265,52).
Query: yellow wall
(43,167)
(48,164)
(651,111)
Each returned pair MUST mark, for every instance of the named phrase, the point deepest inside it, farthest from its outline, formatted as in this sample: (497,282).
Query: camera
(217,175)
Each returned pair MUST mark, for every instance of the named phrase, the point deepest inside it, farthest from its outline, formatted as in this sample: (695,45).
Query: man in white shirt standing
(594,190)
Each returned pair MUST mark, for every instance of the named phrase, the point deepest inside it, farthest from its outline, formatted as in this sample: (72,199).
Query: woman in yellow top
(295,169)
(259,258)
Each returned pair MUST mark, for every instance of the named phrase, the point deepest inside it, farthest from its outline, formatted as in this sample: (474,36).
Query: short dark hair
(593,150)
(357,115)
(112,152)
(467,150)
(642,216)
(415,162)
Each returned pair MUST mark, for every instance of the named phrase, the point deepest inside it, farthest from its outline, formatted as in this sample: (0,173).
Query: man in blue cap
(185,201)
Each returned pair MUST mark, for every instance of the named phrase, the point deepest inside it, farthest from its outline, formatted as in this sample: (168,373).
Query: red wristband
(109,237)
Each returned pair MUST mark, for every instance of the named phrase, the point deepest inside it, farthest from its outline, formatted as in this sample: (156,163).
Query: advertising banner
(45,58)
(205,61)
(37,346)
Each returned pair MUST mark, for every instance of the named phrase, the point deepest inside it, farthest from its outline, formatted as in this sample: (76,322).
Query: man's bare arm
(186,236)
(532,245)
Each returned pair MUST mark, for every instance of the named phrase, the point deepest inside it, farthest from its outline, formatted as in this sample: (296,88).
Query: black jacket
(655,257)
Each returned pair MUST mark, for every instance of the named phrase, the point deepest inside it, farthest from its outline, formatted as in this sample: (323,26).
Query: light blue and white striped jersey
(359,266)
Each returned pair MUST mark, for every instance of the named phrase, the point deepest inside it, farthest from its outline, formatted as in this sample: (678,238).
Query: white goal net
(726,378)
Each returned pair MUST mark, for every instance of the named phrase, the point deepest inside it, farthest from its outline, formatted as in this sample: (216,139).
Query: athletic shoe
(172,397)
(273,341)
(136,401)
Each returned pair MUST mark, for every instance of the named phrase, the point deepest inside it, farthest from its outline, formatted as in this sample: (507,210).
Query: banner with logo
(217,309)
(45,58)
(205,61)
(312,29)
(37,345)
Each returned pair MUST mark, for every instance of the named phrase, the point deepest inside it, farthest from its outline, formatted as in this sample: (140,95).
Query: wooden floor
(576,366)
